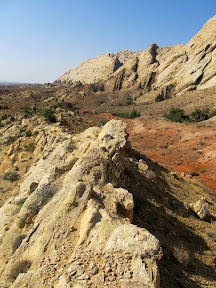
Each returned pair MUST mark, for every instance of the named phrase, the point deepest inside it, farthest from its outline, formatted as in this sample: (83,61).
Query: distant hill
(3,82)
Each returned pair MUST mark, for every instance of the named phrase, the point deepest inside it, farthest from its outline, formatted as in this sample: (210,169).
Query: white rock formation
(174,70)
(75,224)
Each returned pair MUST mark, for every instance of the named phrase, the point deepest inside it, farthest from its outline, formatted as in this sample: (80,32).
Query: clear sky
(42,39)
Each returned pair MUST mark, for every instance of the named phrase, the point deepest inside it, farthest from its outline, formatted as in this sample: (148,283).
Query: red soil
(180,147)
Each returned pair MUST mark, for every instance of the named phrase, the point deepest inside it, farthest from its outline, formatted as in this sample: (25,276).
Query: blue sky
(42,39)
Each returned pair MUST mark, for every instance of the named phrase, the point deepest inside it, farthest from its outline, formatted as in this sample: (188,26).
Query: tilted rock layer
(74,227)
(173,69)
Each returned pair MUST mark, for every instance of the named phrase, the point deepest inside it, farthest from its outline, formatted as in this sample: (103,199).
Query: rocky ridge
(75,221)
(92,212)
(96,69)
(170,70)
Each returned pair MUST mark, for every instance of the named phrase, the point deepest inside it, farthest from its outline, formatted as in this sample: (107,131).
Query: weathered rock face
(174,70)
(96,69)
(74,227)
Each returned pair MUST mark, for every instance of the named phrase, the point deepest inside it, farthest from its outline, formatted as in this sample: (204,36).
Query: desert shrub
(11,139)
(11,176)
(29,147)
(17,242)
(130,115)
(102,122)
(28,133)
(163,146)
(151,175)
(194,173)
(181,254)
(213,113)
(130,101)
(36,133)
(177,115)
(4,117)
(69,106)
(3,107)
(21,266)
(49,115)
(200,115)
(70,147)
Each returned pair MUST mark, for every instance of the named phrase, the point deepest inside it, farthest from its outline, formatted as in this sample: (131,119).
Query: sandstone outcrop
(201,210)
(96,69)
(74,227)
(171,70)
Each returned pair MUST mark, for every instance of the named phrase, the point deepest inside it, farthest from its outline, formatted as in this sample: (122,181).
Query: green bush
(130,101)
(11,176)
(29,147)
(213,113)
(21,266)
(28,133)
(130,115)
(49,115)
(200,115)
(17,242)
(3,107)
(11,139)
(177,115)
(4,117)
(102,122)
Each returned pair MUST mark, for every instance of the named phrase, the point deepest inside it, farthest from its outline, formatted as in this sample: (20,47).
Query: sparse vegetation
(49,115)
(21,266)
(200,115)
(194,173)
(11,139)
(177,115)
(11,176)
(29,147)
(28,133)
(151,175)
(130,101)
(181,254)
(213,113)
(130,115)
(102,122)
(5,107)
(17,242)
(70,147)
